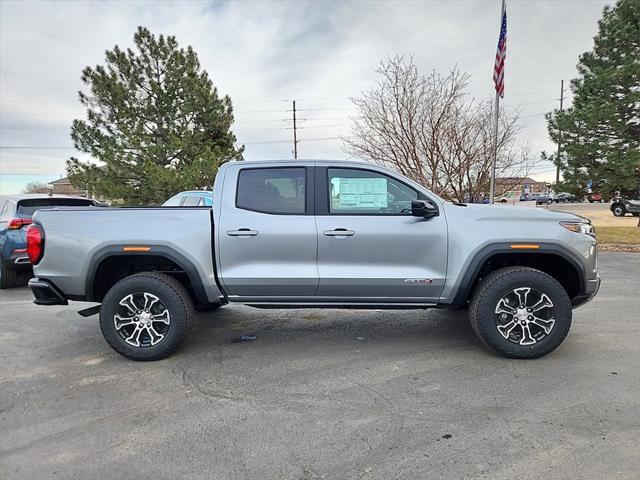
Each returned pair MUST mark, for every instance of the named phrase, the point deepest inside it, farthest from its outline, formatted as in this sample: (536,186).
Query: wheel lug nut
(135,318)
(148,324)
(530,317)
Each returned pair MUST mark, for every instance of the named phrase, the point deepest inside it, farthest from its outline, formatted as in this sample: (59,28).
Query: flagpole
(492,186)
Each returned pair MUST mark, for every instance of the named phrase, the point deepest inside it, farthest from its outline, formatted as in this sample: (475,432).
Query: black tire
(484,319)
(636,214)
(171,295)
(618,210)
(8,277)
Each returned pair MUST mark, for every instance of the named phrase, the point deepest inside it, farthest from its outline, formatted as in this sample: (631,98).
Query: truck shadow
(422,329)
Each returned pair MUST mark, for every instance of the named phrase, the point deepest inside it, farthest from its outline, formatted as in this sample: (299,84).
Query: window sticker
(364,193)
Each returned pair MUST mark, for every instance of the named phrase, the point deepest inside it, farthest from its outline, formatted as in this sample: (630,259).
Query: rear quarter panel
(74,237)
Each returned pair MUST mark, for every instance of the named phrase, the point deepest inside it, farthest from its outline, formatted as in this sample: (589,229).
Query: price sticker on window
(362,193)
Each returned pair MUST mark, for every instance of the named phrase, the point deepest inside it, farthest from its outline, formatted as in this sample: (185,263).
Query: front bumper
(46,293)
(591,288)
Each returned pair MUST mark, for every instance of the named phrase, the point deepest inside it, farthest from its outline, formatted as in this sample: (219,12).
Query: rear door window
(26,208)
(272,190)
(191,201)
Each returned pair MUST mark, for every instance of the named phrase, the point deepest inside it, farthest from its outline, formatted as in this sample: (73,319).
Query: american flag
(501,54)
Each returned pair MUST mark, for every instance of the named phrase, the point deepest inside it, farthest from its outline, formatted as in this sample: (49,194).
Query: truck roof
(302,161)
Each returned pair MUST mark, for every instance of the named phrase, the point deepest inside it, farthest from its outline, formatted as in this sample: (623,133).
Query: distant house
(516,186)
(63,186)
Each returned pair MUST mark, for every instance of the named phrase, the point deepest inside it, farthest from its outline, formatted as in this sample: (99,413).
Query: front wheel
(520,312)
(146,316)
(619,210)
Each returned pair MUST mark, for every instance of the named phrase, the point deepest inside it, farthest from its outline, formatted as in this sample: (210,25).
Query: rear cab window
(26,208)
(279,191)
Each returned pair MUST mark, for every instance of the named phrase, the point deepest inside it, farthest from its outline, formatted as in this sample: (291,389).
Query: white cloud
(263,52)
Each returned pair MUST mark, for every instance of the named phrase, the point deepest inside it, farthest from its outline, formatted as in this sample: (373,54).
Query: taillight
(18,223)
(35,243)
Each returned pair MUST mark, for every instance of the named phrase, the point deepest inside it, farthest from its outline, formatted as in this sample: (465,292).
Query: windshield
(27,208)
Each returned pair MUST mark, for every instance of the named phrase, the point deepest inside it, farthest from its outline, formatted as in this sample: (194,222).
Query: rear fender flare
(156,251)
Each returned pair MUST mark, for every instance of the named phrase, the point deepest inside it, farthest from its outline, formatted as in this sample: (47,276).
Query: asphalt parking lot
(323,394)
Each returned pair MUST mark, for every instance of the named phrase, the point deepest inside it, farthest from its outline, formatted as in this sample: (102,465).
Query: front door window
(357,192)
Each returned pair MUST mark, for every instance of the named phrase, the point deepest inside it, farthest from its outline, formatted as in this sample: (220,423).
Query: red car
(596,197)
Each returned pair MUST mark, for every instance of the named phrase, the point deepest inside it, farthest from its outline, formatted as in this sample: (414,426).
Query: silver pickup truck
(319,234)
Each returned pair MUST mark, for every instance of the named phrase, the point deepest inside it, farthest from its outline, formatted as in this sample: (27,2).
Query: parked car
(564,197)
(319,234)
(621,206)
(193,198)
(544,199)
(15,214)
(595,197)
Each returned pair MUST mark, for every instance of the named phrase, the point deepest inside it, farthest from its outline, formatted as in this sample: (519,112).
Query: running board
(360,306)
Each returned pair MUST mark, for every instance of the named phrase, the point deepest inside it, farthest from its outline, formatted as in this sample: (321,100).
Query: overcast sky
(266,53)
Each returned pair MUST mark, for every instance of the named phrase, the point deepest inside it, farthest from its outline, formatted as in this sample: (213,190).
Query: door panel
(271,252)
(388,256)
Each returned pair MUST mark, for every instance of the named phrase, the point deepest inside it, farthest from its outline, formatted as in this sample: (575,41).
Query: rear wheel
(520,312)
(146,316)
(8,277)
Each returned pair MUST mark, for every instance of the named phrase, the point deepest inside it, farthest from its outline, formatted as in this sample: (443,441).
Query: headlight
(580,227)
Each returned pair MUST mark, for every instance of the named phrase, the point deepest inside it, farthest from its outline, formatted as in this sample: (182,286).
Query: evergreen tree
(601,131)
(154,120)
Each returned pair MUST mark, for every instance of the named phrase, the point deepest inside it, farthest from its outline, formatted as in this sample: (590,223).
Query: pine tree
(155,122)
(601,131)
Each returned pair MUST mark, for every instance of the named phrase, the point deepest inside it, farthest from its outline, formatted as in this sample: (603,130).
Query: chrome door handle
(339,232)
(242,232)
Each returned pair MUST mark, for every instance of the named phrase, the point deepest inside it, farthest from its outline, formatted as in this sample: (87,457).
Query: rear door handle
(339,232)
(242,232)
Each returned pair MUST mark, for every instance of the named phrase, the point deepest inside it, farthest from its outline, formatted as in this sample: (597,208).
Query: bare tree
(36,187)
(428,129)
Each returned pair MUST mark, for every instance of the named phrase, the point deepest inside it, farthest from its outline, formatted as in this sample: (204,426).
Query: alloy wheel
(524,316)
(142,320)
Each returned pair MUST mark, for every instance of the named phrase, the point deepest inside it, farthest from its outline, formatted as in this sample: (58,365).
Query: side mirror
(423,208)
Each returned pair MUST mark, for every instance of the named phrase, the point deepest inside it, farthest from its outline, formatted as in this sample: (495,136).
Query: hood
(510,213)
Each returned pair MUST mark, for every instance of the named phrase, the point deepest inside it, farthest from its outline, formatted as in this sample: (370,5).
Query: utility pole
(295,134)
(559,136)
